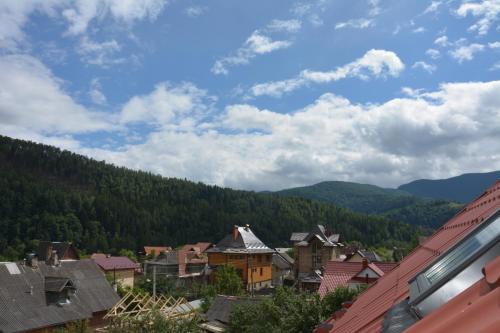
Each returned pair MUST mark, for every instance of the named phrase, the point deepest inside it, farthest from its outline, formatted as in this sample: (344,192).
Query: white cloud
(293,25)
(166,105)
(100,54)
(256,44)
(127,11)
(374,63)
(361,23)
(495,67)
(95,92)
(494,45)
(435,134)
(433,7)
(419,30)
(433,53)
(78,14)
(429,68)
(195,11)
(487,12)
(442,41)
(32,99)
(466,52)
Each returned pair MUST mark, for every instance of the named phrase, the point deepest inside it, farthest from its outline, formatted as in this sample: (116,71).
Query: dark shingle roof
(318,232)
(23,297)
(280,262)
(111,263)
(370,255)
(222,306)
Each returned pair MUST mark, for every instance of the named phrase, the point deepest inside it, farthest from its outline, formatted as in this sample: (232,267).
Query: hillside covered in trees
(370,199)
(49,194)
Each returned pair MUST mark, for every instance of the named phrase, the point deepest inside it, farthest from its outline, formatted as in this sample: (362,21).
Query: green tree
(332,301)
(227,281)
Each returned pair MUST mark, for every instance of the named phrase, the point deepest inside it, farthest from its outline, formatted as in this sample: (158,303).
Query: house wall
(303,263)
(261,264)
(123,276)
(70,254)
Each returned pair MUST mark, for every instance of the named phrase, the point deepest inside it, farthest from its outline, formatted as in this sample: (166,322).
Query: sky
(258,95)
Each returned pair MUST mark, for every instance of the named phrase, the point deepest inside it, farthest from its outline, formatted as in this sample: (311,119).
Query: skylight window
(456,269)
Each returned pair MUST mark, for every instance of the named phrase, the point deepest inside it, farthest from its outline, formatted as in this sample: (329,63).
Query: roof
(156,249)
(339,273)
(46,247)
(221,307)
(280,262)
(318,232)
(370,255)
(367,312)
(199,247)
(57,283)
(23,300)
(244,242)
(111,263)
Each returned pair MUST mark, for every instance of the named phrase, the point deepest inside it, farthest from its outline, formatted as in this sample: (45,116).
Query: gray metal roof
(398,318)
(23,298)
(280,262)
(319,232)
(370,255)
(245,242)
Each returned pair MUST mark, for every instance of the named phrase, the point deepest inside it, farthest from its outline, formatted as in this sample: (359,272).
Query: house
(118,269)
(313,250)
(449,283)
(217,317)
(352,274)
(247,253)
(188,262)
(360,255)
(38,296)
(64,250)
(282,267)
(154,251)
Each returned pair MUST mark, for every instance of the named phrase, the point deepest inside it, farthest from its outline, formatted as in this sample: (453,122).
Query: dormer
(58,290)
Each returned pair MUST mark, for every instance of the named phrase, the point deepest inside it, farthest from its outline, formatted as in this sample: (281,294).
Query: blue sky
(258,95)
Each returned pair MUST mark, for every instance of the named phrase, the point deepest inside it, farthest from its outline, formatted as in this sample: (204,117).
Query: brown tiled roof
(338,273)
(200,246)
(156,249)
(367,312)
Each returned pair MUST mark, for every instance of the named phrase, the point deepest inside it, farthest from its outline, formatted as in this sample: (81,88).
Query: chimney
(54,260)
(365,263)
(235,231)
(32,260)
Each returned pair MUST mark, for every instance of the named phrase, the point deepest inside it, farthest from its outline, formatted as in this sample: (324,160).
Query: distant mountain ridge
(463,188)
(395,204)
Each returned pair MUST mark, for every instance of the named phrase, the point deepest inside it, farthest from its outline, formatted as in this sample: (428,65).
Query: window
(261,271)
(456,269)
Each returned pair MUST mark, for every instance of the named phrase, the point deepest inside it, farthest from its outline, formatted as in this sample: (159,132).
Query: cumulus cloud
(374,63)
(419,30)
(195,11)
(83,12)
(33,99)
(95,92)
(293,25)
(486,11)
(429,68)
(167,105)
(466,52)
(431,134)
(442,41)
(256,44)
(361,23)
(433,53)
(103,54)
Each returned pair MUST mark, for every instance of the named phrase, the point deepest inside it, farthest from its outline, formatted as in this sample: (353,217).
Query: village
(454,270)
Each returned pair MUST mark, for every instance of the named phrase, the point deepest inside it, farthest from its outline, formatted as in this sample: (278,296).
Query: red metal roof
(111,263)
(366,314)
(338,273)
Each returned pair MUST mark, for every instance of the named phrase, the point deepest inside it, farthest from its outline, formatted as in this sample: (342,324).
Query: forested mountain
(371,199)
(49,194)
(463,188)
